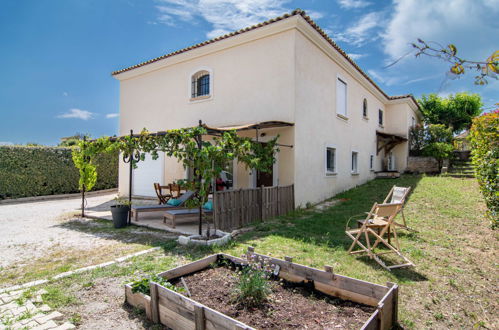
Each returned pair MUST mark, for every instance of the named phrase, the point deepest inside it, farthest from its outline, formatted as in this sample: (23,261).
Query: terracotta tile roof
(269,22)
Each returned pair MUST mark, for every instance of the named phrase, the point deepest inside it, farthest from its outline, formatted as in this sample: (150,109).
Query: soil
(295,307)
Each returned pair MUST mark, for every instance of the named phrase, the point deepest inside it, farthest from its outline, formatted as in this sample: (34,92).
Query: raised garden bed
(301,297)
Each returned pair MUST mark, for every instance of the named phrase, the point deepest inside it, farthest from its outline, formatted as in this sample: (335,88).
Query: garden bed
(302,297)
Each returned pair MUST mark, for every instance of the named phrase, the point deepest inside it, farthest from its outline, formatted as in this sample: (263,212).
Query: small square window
(330,160)
(355,157)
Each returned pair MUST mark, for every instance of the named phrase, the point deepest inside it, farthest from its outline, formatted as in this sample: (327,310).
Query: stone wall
(422,165)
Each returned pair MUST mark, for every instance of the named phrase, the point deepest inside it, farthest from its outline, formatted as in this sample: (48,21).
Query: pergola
(134,155)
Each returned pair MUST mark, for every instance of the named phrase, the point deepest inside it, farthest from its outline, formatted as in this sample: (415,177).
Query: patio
(152,220)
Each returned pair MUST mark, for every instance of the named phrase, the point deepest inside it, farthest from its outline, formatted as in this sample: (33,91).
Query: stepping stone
(49,325)
(65,326)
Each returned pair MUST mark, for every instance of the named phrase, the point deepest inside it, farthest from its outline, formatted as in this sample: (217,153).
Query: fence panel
(237,208)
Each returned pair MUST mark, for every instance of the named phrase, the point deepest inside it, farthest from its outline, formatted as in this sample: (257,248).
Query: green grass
(453,283)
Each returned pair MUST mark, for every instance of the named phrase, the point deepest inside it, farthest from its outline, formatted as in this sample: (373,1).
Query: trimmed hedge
(38,171)
(484,137)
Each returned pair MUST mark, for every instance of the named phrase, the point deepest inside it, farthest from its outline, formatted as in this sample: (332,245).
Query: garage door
(148,172)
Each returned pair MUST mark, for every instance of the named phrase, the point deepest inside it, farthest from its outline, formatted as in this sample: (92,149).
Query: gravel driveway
(29,230)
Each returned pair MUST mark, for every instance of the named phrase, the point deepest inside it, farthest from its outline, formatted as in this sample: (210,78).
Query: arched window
(200,84)
(364,108)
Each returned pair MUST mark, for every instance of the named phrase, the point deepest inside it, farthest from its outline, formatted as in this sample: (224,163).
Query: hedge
(484,137)
(38,171)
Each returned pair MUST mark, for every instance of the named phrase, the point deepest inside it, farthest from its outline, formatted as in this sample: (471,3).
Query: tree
(72,140)
(456,111)
(434,140)
(485,69)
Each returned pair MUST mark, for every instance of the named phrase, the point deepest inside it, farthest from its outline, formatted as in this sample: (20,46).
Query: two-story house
(337,127)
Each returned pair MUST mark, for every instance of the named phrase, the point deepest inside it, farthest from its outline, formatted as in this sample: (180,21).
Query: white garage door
(148,172)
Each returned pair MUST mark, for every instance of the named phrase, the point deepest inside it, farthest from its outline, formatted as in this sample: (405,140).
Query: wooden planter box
(179,312)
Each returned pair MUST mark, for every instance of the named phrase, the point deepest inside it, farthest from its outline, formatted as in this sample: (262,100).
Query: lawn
(454,283)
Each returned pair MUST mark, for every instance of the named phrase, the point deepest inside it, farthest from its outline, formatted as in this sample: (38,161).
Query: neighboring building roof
(274,20)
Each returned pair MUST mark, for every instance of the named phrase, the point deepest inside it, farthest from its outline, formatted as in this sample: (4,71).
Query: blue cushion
(174,202)
(208,205)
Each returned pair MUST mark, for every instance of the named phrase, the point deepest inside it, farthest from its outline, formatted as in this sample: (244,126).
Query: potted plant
(120,212)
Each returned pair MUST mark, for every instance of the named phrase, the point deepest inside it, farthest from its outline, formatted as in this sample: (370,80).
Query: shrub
(484,137)
(432,141)
(37,171)
(143,285)
(253,286)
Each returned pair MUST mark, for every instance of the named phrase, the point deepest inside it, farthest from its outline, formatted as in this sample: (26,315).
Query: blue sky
(57,55)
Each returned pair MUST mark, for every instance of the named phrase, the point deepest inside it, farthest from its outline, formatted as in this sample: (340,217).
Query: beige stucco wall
(318,126)
(252,82)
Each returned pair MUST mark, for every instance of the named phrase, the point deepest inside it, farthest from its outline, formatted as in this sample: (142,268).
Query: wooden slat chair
(175,190)
(398,195)
(379,221)
(162,197)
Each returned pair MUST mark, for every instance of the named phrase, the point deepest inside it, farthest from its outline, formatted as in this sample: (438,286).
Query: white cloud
(355,56)
(315,15)
(362,31)
(77,113)
(223,15)
(468,24)
(352,4)
(112,115)
(6,143)
(384,78)
(65,94)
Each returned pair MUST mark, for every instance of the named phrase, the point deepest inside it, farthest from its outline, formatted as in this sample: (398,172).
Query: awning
(387,141)
(245,127)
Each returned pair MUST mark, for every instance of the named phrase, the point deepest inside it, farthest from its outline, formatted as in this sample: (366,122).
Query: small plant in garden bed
(142,285)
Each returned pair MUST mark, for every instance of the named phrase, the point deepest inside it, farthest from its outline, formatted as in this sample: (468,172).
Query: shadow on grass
(322,228)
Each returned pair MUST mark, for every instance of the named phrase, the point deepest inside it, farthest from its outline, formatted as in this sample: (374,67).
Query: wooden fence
(236,208)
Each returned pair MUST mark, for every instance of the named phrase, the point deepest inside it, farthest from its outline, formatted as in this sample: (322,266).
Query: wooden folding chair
(175,190)
(380,218)
(398,195)
(163,198)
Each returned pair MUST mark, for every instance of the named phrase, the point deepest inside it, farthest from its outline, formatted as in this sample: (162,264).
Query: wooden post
(83,187)
(153,287)
(262,212)
(395,301)
(199,319)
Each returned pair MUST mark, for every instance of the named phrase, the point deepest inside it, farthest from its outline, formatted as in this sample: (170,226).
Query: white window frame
(202,98)
(335,164)
(355,170)
(341,79)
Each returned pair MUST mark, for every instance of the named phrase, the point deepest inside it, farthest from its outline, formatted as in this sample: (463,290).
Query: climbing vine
(206,157)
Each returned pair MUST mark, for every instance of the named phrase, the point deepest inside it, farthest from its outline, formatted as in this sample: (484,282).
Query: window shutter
(341,98)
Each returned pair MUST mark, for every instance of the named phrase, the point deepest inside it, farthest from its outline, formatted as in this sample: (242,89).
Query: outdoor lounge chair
(163,198)
(398,195)
(190,214)
(379,221)
(162,207)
